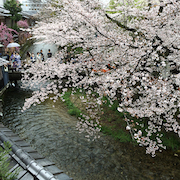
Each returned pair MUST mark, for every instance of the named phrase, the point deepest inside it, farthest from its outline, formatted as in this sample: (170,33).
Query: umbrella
(13,45)
(1,45)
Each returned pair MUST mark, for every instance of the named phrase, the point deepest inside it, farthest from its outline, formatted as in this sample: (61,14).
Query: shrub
(4,163)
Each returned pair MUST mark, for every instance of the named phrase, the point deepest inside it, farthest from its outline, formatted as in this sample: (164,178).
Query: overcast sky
(105,1)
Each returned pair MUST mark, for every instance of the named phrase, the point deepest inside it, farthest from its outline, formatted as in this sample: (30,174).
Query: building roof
(4,15)
(3,10)
(30,164)
(26,14)
(3,61)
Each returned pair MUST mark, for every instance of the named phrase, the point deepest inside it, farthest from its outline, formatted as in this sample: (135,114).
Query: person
(15,63)
(33,59)
(12,57)
(68,58)
(42,55)
(13,60)
(49,54)
(18,60)
(28,58)
(5,67)
(18,57)
(8,59)
(7,56)
(38,57)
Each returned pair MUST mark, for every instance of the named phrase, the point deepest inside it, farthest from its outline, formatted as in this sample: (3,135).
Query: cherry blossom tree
(22,24)
(130,56)
(23,34)
(6,34)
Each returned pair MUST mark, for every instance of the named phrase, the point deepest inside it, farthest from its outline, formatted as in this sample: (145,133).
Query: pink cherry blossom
(131,56)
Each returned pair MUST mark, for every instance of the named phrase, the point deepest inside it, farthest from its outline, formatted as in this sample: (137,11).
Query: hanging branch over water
(129,63)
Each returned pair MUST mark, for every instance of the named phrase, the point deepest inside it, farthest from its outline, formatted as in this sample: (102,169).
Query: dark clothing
(42,56)
(49,54)
(7,57)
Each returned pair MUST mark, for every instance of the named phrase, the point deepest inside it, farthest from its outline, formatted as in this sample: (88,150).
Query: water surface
(51,131)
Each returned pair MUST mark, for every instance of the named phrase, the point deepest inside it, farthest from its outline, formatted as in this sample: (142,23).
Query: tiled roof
(3,61)
(3,10)
(32,165)
(2,14)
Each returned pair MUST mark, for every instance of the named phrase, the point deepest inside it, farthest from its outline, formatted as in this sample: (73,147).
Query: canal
(51,131)
(36,47)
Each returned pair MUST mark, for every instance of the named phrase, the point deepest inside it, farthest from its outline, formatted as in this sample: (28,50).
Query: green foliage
(15,8)
(72,109)
(25,47)
(15,27)
(113,106)
(135,3)
(112,4)
(74,50)
(78,50)
(113,12)
(171,140)
(119,134)
(113,122)
(4,163)
(112,9)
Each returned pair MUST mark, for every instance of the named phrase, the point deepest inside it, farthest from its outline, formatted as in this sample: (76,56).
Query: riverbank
(113,122)
(121,154)
(163,166)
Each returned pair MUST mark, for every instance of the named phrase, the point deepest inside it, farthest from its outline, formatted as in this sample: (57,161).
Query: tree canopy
(131,56)
(14,7)
(6,34)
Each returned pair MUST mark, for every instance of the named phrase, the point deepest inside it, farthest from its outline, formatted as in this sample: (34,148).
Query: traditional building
(2,2)
(32,6)
(4,14)
(29,8)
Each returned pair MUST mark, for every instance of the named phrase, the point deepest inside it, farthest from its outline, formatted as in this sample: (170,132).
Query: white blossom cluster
(125,57)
